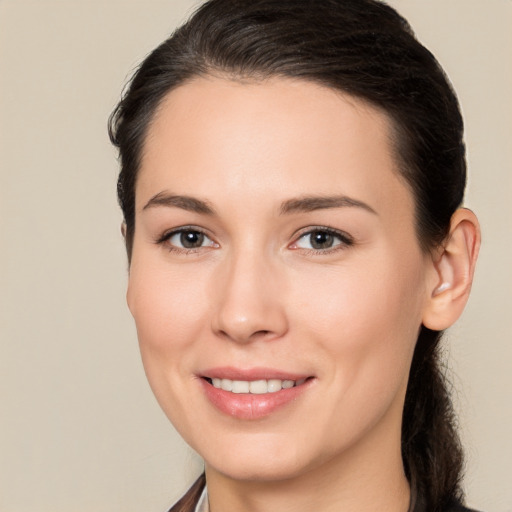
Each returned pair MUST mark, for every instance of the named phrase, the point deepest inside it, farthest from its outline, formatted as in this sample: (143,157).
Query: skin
(258,294)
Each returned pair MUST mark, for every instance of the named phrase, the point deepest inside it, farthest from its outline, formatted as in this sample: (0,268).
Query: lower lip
(248,406)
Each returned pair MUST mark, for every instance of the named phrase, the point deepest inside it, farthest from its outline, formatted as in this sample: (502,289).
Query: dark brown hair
(366,49)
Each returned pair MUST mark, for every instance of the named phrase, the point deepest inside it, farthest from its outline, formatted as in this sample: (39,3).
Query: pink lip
(258,373)
(247,406)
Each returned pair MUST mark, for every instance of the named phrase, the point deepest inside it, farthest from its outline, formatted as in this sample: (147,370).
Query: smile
(254,394)
(255,387)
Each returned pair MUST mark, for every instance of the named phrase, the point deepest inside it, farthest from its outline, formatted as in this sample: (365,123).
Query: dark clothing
(460,508)
(419,505)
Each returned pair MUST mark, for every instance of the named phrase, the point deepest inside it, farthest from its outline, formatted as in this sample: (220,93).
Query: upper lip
(251,374)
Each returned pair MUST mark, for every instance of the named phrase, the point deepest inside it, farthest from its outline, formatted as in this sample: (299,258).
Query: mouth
(253,395)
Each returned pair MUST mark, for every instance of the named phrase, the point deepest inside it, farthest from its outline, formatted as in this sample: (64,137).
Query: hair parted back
(366,49)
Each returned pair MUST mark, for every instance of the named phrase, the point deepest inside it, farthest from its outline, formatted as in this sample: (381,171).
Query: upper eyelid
(171,232)
(311,229)
(164,240)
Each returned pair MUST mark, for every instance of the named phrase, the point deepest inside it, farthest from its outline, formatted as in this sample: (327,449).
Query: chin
(271,470)
(262,460)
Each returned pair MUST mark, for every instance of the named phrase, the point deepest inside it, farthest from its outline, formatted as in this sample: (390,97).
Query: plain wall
(79,428)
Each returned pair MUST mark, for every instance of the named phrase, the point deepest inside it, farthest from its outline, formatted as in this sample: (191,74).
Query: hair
(363,48)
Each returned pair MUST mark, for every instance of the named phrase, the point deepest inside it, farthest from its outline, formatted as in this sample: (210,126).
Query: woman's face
(275,246)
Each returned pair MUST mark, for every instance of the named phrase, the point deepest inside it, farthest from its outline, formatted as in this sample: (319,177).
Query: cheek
(364,330)
(169,311)
(365,320)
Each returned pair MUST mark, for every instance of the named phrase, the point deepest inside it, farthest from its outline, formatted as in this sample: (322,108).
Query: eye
(322,239)
(187,239)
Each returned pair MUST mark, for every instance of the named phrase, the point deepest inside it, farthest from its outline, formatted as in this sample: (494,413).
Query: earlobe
(453,267)
(123,229)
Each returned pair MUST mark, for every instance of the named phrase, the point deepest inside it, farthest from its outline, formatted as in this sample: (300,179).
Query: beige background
(79,428)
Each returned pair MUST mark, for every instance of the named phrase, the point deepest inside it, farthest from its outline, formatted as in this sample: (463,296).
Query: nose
(250,300)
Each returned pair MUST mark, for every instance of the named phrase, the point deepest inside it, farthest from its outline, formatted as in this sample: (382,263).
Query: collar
(202,504)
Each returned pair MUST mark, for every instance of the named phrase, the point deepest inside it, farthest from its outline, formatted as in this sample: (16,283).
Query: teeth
(256,387)
(274,385)
(226,384)
(240,386)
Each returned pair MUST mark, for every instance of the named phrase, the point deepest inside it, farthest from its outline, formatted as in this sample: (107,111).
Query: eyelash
(184,229)
(345,240)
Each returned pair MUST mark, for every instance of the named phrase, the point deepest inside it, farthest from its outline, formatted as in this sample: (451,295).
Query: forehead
(278,137)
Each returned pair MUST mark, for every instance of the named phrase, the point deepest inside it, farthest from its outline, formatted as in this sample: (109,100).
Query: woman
(291,182)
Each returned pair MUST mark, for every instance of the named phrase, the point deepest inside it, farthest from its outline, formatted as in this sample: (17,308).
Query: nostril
(247,321)
(245,336)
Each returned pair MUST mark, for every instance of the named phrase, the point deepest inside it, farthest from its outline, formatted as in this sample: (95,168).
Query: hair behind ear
(431,449)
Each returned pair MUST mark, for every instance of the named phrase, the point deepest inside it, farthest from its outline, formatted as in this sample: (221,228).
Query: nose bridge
(249,303)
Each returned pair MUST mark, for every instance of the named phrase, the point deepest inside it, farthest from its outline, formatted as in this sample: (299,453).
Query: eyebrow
(312,203)
(191,204)
(296,205)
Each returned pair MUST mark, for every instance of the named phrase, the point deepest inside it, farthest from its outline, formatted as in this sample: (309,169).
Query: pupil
(321,240)
(191,239)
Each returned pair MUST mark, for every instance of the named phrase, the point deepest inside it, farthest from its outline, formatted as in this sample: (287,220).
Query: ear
(123,229)
(453,269)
